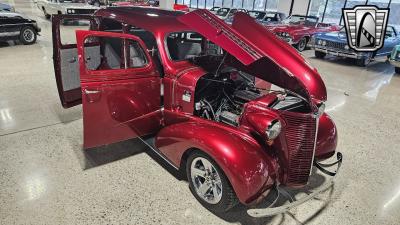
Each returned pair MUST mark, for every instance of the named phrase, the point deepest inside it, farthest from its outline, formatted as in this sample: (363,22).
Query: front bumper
(395,63)
(271,210)
(341,53)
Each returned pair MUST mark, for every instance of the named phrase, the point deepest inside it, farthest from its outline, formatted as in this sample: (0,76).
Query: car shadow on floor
(98,156)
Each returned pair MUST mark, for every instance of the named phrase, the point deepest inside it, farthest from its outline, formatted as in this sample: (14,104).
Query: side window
(184,45)
(68,27)
(109,53)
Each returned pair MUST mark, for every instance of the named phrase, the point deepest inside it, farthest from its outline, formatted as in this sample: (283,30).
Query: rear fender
(245,163)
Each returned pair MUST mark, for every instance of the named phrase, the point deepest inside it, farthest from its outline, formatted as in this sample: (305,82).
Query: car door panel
(66,67)
(118,104)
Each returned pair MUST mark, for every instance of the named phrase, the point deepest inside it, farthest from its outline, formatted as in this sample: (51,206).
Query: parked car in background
(395,58)
(214,9)
(267,17)
(335,43)
(70,7)
(225,13)
(15,26)
(186,89)
(297,30)
(6,7)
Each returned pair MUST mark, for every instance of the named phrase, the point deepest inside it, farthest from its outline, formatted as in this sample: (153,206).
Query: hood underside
(259,52)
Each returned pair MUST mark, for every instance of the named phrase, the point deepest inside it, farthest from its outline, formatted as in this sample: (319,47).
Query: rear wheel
(397,70)
(27,35)
(301,46)
(320,55)
(209,184)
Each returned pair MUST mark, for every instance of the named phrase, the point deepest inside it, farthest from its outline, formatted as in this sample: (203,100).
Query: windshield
(301,20)
(214,8)
(271,17)
(222,11)
(257,14)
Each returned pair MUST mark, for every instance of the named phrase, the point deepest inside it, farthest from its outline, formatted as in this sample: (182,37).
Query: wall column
(167,4)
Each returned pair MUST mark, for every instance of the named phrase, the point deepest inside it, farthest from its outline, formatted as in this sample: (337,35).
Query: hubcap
(302,44)
(28,35)
(206,180)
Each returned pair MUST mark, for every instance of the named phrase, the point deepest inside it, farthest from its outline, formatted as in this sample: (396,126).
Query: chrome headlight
(71,11)
(346,47)
(323,43)
(273,130)
(319,42)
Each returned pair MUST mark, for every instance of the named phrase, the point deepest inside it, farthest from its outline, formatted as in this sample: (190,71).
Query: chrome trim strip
(315,141)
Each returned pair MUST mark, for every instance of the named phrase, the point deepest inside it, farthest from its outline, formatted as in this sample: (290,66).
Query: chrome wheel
(302,44)
(28,35)
(206,180)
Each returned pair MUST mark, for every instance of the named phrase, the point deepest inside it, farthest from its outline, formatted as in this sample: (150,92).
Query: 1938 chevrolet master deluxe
(185,84)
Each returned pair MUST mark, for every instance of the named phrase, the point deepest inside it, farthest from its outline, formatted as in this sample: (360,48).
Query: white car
(50,7)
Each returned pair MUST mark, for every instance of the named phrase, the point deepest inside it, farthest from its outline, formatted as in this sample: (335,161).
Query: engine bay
(222,96)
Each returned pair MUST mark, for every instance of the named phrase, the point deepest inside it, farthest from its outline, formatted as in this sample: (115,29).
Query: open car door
(65,57)
(121,95)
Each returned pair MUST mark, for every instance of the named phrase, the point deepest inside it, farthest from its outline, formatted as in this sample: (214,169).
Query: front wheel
(209,184)
(397,70)
(301,46)
(27,35)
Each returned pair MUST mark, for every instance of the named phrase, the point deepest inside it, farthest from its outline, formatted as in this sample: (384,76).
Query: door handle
(91,91)
(92,95)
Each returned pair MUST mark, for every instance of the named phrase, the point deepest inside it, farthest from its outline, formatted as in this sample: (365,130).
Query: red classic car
(185,85)
(297,30)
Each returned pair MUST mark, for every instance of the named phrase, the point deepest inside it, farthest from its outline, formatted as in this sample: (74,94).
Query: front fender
(248,167)
(326,138)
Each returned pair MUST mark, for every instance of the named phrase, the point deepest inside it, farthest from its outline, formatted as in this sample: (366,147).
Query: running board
(150,142)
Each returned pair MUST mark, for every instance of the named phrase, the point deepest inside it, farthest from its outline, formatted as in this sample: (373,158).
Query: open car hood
(257,51)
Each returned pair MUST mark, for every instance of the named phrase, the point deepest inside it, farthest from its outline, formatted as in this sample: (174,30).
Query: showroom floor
(46,178)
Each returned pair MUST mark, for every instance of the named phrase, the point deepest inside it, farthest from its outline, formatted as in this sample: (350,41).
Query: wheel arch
(245,163)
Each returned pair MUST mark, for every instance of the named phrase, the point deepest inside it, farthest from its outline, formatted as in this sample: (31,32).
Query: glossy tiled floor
(45,177)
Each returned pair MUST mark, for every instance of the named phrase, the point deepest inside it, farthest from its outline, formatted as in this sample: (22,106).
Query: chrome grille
(331,44)
(300,139)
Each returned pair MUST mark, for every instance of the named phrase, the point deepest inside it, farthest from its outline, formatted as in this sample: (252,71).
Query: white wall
(167,4)
(300,7)
(284,6)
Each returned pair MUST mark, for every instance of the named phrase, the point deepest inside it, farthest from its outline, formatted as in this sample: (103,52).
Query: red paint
(126,103)
(273,60)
